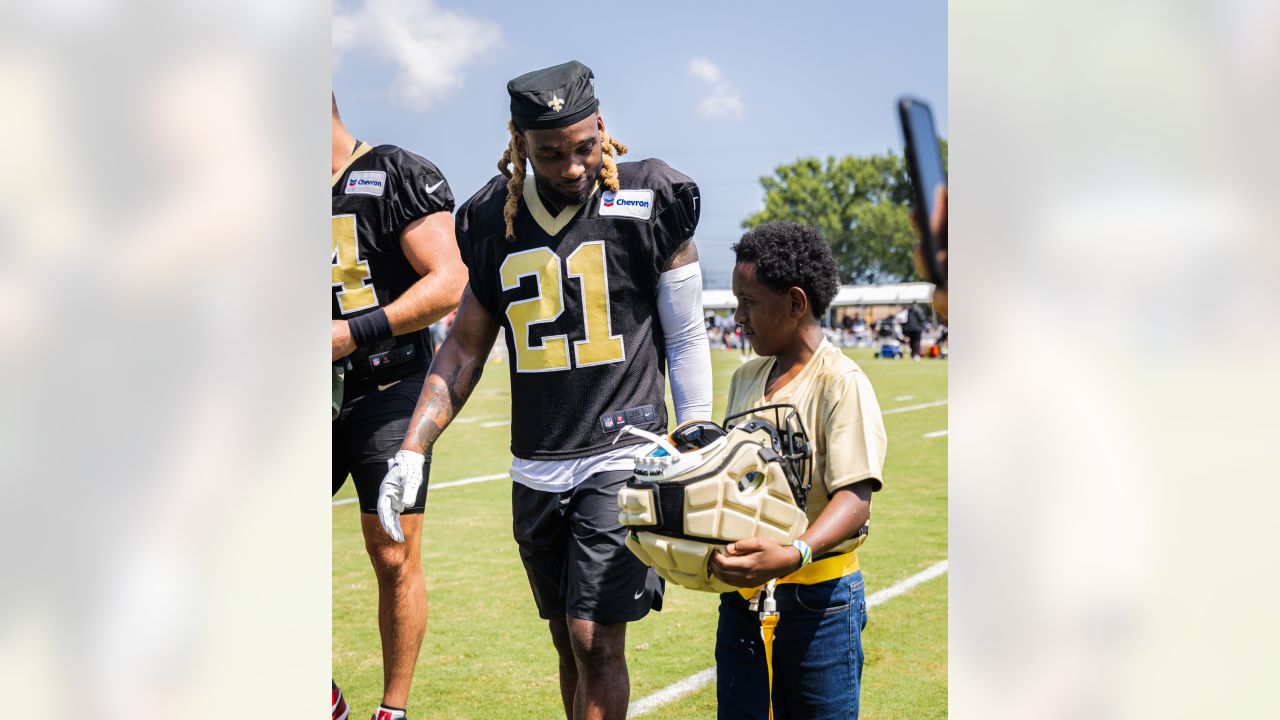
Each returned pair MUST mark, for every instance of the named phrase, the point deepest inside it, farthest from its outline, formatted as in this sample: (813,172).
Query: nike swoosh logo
(384,387)
(637,597)
(433,188)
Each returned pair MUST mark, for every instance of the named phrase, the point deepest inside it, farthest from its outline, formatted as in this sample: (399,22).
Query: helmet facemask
(789,440)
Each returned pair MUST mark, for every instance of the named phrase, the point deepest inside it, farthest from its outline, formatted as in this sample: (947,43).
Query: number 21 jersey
(576,294)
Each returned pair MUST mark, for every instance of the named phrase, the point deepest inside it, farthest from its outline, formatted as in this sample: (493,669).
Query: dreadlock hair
(515,179)
(512,166)
(609,149)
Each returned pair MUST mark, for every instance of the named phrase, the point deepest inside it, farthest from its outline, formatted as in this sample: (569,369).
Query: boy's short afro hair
(788,255)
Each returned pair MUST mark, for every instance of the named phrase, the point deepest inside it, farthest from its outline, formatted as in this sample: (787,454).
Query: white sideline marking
(495,423)
(936,434)
(468,481)
(909,408)
(699,680)
(672,692)
(900,587)
(441,486)
(904,398)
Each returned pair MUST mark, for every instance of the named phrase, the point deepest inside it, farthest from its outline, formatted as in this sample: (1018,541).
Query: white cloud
(722,98)
(704,69)
(722,102)
(431,46)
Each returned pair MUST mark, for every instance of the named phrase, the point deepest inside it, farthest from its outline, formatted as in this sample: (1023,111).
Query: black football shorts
(368,432)
(575,554)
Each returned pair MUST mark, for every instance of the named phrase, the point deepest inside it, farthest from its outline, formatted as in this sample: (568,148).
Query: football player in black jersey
(591,272)
(396,270)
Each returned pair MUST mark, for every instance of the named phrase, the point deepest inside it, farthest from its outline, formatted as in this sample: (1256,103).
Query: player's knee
(392,560)
(599,657)
(597,646)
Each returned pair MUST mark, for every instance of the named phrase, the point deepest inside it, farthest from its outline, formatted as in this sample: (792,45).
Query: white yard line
(904,398)
(468,481)
(699,680)
(495,423)
(936,434)
(900,587)
(441,486)
(672,692)
(909,408)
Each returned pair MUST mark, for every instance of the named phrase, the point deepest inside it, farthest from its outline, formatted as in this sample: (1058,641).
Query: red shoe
(385,713)
(339,704)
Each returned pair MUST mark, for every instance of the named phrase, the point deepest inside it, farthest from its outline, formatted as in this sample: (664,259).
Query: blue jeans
(817,653)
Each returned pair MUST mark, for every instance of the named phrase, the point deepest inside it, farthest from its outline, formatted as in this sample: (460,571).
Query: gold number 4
(587,263)
(349,271)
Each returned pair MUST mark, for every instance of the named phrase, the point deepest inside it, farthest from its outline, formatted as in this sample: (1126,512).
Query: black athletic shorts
(368,433)
(575,554)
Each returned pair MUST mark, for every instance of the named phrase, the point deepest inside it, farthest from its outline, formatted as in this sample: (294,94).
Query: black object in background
(924,165)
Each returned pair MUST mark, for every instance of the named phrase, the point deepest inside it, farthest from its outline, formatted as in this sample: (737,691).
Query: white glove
(398,490)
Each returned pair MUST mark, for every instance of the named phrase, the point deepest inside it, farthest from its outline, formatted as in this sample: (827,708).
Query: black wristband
(370,328)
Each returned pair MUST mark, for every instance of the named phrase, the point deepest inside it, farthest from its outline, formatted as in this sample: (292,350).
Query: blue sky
(724,92)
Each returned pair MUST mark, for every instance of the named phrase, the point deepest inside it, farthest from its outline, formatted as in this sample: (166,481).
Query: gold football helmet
(710,486)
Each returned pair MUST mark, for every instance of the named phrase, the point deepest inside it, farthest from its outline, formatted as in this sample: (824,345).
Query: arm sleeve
(855,438)
(688,351)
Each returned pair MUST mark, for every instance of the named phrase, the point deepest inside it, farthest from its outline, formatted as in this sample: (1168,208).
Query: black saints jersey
(380,192)
(577,296)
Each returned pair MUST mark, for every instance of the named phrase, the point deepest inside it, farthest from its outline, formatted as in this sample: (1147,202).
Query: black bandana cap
(553,97)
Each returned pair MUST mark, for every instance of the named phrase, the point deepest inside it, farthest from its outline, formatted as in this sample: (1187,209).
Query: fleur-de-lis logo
(556,103)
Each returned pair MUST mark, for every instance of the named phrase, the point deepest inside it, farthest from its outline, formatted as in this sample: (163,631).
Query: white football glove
(398,490)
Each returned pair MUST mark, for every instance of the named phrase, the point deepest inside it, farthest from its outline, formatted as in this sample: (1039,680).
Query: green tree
(861,205)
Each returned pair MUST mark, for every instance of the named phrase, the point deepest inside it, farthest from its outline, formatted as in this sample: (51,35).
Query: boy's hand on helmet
(753,562)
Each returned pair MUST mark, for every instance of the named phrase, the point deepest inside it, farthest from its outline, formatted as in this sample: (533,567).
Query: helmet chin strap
(661,442)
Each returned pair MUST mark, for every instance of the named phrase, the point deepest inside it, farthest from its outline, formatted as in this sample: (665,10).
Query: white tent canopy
(891,294)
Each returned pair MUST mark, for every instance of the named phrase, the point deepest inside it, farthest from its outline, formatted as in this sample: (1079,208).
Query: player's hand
(938,225)
(343,343)
(754,562)
(398,490)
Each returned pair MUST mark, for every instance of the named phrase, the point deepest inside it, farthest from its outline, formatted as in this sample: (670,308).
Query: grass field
(487,655)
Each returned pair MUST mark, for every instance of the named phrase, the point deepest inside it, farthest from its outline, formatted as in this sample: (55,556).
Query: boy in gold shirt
(784,279)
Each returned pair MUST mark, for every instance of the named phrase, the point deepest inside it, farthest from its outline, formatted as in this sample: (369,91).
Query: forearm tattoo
(444,400)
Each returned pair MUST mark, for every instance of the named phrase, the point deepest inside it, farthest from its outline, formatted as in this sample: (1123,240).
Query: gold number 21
(587,263)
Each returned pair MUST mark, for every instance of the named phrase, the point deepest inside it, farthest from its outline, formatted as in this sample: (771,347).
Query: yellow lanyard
(837,566)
